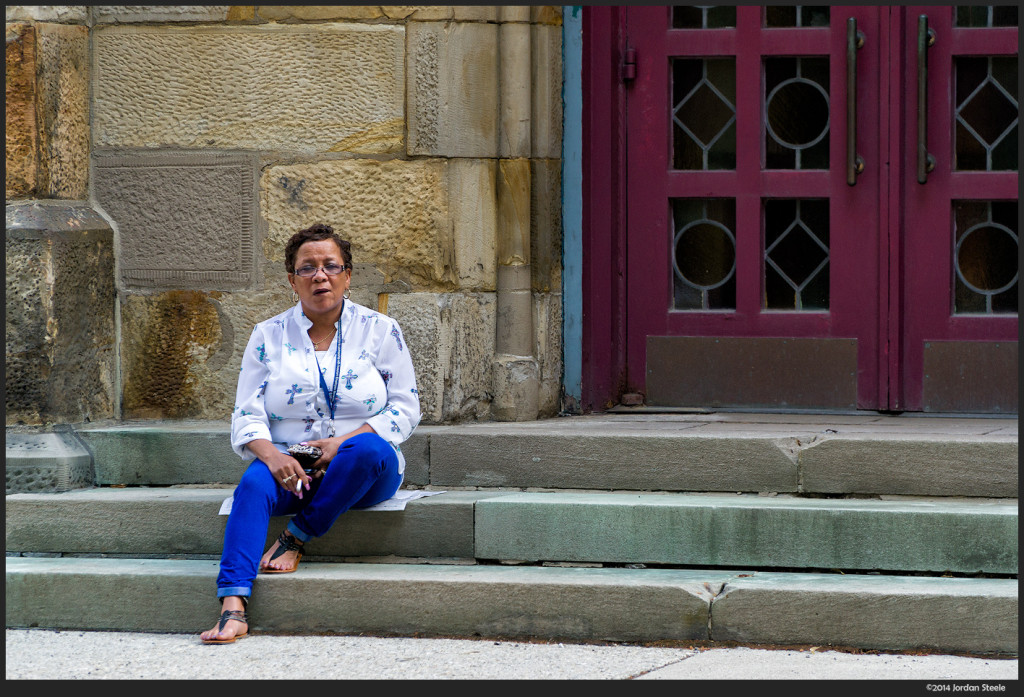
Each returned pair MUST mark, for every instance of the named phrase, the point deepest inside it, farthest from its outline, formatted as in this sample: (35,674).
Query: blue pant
(363,473)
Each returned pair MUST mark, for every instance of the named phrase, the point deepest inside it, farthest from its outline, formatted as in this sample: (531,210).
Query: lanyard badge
(331,395)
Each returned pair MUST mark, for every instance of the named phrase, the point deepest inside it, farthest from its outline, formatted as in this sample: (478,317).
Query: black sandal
(227,616)
(286,543)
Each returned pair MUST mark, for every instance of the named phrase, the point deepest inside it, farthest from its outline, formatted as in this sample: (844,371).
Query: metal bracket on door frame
(628,67)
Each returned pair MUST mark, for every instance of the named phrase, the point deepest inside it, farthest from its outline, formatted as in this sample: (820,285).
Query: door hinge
(628,70)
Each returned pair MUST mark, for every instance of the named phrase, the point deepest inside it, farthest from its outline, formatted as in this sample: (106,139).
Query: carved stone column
(516,373)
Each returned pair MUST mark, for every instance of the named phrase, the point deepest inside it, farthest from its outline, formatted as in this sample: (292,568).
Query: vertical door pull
(925,39)
(854,162)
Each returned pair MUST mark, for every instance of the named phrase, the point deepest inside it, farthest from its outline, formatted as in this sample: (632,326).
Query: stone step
(933,535)
(881,612)
(54,461)
(936,535)
(137,521)
(857,454)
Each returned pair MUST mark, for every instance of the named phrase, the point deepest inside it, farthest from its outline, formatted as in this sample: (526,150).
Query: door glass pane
(986,16)
(986,113)
(704,113)
(704,253)
(796,113)
(703,17)
(985,257)
(796,254)
(796,16)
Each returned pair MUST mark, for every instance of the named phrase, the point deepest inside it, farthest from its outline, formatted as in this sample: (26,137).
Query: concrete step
(936,535)
(856,454)
(883,612)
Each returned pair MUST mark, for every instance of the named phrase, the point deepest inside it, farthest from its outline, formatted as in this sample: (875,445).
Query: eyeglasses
(329,269)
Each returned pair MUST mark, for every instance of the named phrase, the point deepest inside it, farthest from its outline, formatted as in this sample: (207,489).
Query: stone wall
(428,136)
(61,346)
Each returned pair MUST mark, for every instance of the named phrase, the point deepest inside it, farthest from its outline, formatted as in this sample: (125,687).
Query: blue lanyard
(331,395)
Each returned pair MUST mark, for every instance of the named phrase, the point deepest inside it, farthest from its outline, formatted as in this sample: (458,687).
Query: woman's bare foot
(287,560)
(233,628)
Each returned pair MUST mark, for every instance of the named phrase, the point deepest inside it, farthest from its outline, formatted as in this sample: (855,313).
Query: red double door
(820,206)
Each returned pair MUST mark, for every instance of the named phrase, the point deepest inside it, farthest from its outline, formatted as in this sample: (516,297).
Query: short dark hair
(315,233)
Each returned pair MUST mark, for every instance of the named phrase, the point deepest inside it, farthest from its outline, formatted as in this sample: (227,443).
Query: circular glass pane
(797,112)
(705,254)
(986,258)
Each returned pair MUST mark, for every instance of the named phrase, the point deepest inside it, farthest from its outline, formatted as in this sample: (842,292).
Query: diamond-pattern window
(987,113)
(796,254)
(704,113)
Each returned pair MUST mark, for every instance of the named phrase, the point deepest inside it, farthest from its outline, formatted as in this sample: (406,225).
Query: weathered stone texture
(60,340)
(515,121)
(63,74)
(453,89)
(168,343)
(546,14)
(546,225)
(301,88)
(286,13)
(546,96)
(516,387)
(47,13)
(451,340)
(163,13)
(547,324)
(47,462)
(474,210)
(181,350)
(185,220)
(514,197)
(395,213)
(459,13)
(47,111)
(22,134)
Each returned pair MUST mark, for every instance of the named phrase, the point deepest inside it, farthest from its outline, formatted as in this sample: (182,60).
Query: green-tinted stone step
(867,611)
(935,535)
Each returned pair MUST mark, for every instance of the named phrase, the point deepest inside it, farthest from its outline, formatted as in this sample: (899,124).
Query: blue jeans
(363,473)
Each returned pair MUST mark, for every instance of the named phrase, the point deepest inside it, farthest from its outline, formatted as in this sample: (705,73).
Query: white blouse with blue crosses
(280,398)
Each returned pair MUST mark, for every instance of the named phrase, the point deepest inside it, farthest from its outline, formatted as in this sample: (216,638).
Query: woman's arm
(401,414)
(249,417)
(281,465)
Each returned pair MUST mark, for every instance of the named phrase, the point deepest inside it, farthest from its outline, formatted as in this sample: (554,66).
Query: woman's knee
(256,481)
(368,450)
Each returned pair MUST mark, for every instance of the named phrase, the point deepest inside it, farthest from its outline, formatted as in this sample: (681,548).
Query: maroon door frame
(604,207)
(916,323)
(856,307)
(604,292)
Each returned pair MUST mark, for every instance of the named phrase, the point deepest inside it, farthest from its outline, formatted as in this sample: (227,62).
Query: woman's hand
(285,469)
(289,474)
(330,447)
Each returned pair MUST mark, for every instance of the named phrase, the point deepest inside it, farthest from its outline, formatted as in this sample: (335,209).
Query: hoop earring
(295,297)
(346,294)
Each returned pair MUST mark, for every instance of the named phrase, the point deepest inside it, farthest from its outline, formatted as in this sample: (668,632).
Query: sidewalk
(47,654)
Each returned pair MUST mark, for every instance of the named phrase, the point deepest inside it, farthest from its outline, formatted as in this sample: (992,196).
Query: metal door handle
(925,39)
(854,162)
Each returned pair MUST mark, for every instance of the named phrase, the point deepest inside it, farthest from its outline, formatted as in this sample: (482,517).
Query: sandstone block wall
(60,336)
(218,131)
(61,339)
(47,110)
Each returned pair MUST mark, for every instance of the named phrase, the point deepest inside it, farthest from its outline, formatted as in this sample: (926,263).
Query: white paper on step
(395,503)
